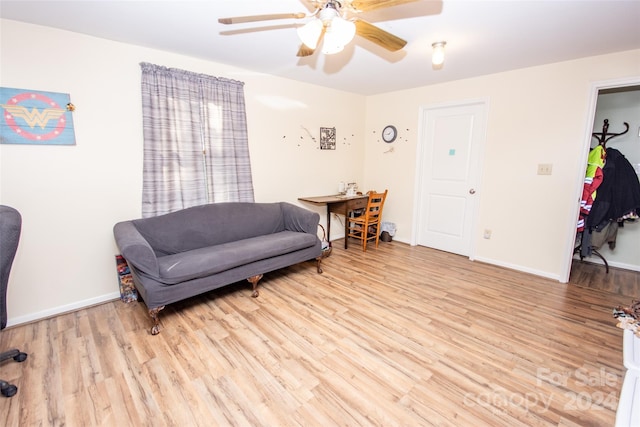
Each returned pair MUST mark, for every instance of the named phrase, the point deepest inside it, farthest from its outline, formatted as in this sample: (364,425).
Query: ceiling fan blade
(313,5)
(255,18)
(379,36)
(305,51)
(367,5)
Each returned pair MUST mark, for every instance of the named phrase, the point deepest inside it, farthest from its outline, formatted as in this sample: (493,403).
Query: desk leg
(329,224)
(346,226)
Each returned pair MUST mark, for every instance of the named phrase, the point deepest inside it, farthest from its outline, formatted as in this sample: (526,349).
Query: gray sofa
(195,250)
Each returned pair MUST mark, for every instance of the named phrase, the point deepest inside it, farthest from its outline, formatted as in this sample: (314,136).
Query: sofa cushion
(208,225)
(206,261)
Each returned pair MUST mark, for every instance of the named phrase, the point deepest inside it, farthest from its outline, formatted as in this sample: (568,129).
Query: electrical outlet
(487,234)
(545,168)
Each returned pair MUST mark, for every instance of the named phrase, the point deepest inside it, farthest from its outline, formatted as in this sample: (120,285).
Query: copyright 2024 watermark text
(598,392)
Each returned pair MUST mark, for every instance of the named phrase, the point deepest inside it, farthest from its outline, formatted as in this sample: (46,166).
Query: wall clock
(389,133)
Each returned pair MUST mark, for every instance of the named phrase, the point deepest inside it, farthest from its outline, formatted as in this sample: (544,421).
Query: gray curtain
(196,149)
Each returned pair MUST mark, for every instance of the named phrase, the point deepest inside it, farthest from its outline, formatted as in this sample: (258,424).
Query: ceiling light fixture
(437,57)
(338,31)
(309,33)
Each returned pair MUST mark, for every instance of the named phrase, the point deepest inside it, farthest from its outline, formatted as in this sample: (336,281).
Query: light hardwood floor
(396,336)
(595,276)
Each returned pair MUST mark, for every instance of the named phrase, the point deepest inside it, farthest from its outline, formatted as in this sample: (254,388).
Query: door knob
(472,191)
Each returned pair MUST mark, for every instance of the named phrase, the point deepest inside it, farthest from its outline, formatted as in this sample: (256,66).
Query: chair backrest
(10,227)
(375,205)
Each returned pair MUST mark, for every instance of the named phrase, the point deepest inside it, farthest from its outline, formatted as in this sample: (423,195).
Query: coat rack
(581,249)
(604,136)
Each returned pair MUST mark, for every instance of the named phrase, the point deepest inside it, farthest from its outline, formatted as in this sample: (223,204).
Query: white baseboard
(13,321)
(519,268)
(511,266)
(595,260)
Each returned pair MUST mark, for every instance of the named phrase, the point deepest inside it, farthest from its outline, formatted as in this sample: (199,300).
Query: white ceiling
(483,37)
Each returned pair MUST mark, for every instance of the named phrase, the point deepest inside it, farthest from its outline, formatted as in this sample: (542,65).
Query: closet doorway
(617,102)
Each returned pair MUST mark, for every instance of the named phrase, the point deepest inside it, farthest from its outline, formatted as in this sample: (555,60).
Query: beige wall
(535,115)
(70,197)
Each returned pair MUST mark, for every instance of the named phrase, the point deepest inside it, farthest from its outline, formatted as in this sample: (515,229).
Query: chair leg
(10,354)
(7,389)
(365,235)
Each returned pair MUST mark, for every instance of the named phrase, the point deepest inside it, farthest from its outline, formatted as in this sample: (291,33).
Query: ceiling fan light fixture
(339,33)
(309,33)
(330,49)
(343,30)
(328,13)
(437,57)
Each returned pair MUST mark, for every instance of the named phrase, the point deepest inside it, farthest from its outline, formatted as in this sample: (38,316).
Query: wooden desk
(338,204)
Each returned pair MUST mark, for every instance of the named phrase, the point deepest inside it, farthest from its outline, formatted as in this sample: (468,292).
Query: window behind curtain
(196,149)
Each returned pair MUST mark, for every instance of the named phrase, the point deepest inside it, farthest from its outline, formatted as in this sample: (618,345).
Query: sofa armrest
(300,219)
(135,248)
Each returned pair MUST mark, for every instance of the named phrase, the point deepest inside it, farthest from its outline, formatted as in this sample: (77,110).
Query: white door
(448,175)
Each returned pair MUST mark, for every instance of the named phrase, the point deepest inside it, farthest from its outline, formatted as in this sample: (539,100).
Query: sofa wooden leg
(319,264)
(155,329)
(254,281)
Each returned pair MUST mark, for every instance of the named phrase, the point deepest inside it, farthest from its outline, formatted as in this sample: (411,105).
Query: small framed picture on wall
(327,138)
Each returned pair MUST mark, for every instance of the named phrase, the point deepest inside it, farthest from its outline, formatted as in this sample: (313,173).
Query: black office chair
(10,226)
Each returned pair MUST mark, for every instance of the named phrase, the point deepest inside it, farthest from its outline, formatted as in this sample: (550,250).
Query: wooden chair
(367,226)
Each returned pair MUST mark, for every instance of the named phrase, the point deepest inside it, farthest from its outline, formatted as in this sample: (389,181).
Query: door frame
(594,88)
(420,152)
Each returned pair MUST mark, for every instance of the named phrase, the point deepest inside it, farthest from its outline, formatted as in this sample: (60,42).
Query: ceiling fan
(334,25)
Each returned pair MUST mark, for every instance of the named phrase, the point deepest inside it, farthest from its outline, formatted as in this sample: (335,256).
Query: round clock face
(389,133)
